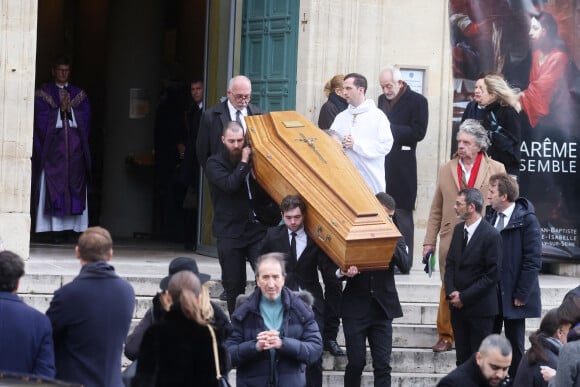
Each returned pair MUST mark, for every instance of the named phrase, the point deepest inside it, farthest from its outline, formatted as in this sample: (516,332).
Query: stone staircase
(413,361)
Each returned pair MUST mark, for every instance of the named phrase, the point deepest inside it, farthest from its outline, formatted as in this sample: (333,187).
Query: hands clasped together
(268,340)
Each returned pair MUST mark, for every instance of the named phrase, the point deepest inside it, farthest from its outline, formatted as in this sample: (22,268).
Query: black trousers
(332,302)
(515,332)
(314,371)
(406,226)
(469,332)
(378,329)
(233,254)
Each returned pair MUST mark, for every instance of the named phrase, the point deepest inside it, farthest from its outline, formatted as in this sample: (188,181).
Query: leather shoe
(442,346)
(333,347)
(224,296)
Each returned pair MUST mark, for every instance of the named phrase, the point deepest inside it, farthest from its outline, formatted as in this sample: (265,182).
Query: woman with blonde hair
(179,351)
(335,104)
(496,105)
(211,312)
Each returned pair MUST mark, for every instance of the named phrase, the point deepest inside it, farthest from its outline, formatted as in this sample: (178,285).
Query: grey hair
(276,257)
(474,127)
(237,78)
(395,71)
(495,341)
(473,196)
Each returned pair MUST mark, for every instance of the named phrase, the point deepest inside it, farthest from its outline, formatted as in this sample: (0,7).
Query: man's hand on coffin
(246,154)
(351,272)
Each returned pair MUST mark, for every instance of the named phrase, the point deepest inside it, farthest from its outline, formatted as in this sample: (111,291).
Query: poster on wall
(535,46)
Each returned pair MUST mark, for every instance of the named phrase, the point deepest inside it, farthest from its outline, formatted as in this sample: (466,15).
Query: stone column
(18,21)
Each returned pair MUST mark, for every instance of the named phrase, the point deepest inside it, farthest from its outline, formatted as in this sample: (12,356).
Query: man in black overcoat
(408,114)
(519,296)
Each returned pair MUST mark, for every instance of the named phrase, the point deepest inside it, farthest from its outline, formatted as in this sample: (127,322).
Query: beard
(235,156)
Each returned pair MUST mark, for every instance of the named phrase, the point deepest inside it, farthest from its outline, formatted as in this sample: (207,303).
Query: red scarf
(472,176)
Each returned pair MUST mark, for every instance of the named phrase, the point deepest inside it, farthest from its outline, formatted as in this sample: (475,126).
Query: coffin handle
(319,234)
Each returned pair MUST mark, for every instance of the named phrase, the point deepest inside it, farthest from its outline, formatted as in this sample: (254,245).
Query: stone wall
(17,70)
(365,35)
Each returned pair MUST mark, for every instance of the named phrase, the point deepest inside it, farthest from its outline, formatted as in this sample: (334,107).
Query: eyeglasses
(242,97)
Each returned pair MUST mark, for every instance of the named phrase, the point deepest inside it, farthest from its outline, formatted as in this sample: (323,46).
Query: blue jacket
(90,320)
(25,339)
(522,252)
(302,343)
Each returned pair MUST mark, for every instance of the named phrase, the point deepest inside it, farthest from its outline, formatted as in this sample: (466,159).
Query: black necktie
(239,117)
(293,248)
(500,222)
(465,236)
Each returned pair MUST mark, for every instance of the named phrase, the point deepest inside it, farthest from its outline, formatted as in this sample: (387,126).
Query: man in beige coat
(469,168)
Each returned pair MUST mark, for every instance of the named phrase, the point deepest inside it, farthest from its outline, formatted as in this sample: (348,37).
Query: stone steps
(398,379)
(413,361)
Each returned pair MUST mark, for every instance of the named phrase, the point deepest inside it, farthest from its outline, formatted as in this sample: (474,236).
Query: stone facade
(365,35)
(338,36)
(17,68)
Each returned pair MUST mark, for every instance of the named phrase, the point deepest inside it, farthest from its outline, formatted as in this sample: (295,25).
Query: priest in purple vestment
(61,160)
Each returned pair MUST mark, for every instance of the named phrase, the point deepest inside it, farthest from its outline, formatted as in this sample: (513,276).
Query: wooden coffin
(293,156)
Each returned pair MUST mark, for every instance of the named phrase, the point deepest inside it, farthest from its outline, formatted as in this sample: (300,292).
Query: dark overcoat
(522,261)
(408,118)
(376,286)
(178,352)
(90,319)
(25,338)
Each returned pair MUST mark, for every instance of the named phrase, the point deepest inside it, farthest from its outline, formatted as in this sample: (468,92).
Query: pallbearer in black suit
(472,273)
(304,260)
(234,193)
(369,304)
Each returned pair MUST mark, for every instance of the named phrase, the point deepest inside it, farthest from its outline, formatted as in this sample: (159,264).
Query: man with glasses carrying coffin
(213,120)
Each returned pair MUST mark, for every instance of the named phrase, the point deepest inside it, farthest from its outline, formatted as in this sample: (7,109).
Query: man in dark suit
(304,260)
(26,334)
(488,367)
(520,297)
(214,120)
(408,114)
(189,167)
(91,316)
(472,272)
(369,304)
(235,223)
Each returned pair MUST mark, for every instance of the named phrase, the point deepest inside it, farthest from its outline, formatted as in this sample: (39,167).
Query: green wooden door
(269,51)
